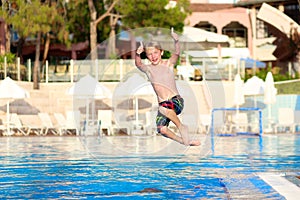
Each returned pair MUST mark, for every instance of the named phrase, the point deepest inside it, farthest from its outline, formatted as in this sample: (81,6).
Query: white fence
(102,70)
(69,71)
(112,70)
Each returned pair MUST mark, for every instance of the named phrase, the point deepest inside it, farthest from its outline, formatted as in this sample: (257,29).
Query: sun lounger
(239,123)
(106,122)
(61,122)
(17,126)
(69,124)
(73,121)
(90,127)
(236,122)
(205,122)
(48,126)
(3,126)
(31,123)
(150,125)
(286,120)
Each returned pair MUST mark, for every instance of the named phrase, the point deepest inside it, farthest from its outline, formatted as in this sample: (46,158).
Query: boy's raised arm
(138,60)
(176,54)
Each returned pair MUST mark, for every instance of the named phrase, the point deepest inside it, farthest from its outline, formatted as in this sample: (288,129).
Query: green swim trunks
(176,103)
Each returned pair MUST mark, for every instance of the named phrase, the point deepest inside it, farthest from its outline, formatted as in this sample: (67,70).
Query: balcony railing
(115,69)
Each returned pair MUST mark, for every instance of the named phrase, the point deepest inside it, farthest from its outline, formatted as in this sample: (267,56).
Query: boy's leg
(165,131)
(183,129)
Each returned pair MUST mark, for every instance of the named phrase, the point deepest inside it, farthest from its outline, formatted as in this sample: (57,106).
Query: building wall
(221,18)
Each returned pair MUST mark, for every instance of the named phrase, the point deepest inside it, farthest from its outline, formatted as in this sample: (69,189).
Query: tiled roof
(247,3)
(205,7)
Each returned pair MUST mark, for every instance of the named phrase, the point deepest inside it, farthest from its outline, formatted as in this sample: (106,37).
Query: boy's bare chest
(160,74)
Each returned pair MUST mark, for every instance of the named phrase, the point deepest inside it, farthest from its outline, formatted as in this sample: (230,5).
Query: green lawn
(288,88)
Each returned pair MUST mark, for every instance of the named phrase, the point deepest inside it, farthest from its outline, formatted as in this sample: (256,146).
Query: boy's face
(154,55)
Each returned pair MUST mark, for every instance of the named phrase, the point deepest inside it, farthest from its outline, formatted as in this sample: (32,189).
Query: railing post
(204,69)
(229,72)
(96,70)
(18,69)
(29,70)
(47,71)
(242,67)
(5,67)
(72,70)
(121,68)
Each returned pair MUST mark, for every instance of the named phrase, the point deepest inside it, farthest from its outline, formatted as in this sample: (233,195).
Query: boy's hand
(140,48)
(174,35)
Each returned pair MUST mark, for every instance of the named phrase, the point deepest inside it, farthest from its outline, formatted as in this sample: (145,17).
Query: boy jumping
(161,75)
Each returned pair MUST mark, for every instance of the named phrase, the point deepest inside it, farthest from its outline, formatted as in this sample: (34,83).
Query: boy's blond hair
(153,44)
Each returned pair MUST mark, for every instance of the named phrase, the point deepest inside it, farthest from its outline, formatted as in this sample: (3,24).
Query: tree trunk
(93,30)
(46,50)
(111,49)
(93,25)
(20,47)
(7,38)
(36,67)
(93,37)
(111,45)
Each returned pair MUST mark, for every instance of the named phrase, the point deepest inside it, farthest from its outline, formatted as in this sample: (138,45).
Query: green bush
(262,73)
(10,58)
(282,88)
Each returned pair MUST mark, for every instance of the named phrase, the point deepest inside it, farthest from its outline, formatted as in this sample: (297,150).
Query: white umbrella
(270,94)
(135,86)
(9,89)
(89,88)
(146,89)
(270,90)
(253,87)
(192,34)
(239,98)
(191,38)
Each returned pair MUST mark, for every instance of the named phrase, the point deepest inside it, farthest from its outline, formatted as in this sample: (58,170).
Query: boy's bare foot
(184,134)
(195,143)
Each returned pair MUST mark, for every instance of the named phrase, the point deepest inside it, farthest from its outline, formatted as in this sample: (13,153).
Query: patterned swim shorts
(176,103)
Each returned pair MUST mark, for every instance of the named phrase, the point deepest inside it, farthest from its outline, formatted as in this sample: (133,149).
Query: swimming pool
(128,167)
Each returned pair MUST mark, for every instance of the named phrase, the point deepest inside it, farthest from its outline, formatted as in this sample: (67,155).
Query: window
(237,34)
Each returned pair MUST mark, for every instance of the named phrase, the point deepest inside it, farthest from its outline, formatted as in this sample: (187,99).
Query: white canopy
(89,87)
(238,91)
(192,34)
(9,89)
(270,90)
(254,86)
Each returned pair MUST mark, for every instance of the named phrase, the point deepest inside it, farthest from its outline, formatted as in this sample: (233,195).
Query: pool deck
(281,185)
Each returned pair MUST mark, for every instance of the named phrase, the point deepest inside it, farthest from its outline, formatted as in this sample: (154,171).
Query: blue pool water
(95,168)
